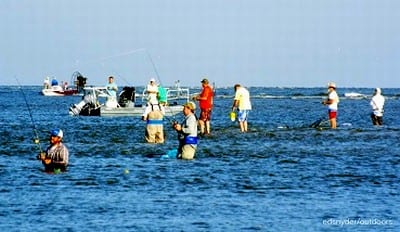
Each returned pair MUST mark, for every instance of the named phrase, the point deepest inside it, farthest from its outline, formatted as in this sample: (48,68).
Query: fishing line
(159,80)
(36,139)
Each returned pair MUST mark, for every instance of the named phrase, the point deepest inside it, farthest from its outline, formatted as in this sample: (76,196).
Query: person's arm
(327,101)
(235,104)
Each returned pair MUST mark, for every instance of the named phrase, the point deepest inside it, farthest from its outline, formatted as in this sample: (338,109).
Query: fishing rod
(154,66)
(36,139)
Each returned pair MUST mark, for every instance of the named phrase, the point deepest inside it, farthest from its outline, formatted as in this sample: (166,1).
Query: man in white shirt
(332,102)
(243,104)
(377,103)
(152,101)
(152,90)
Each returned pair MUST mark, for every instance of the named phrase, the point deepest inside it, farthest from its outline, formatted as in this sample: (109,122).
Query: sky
(271,43)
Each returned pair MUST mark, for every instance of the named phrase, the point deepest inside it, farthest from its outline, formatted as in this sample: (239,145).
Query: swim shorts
(332,114)
(243,114)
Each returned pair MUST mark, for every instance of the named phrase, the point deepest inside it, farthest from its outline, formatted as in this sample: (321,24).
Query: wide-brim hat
(332,85)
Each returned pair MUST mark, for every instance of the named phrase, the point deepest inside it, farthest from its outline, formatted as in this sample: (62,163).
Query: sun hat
(332,85)
(57,132)
(190,105)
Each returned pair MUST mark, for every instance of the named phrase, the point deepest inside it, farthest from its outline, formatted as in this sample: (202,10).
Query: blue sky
(285,43)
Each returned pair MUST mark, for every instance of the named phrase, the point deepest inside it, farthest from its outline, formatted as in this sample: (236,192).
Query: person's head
(204,81)
(189,107)
(236,87)
(152,81)
(377,91)
(56,136)
(331,86)
(110,79)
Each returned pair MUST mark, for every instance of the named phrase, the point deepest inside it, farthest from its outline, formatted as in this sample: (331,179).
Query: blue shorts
(243,114)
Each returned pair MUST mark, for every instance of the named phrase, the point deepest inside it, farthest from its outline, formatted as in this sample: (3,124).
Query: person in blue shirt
(111,87)
(54,82)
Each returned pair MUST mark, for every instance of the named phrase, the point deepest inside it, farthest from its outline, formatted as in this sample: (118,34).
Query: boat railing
(174,95)
(96,91)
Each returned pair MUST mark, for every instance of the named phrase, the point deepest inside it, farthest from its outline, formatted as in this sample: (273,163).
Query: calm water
(281,176)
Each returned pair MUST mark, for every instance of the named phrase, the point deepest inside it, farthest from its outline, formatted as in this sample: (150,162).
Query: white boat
(53,88)
(96,102)
(355,95)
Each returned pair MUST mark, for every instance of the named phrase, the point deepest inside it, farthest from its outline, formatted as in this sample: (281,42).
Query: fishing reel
(41,156)
(36,140)
(174,123)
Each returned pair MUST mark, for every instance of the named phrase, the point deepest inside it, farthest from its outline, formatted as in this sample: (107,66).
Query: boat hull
(136,111)
(51,92)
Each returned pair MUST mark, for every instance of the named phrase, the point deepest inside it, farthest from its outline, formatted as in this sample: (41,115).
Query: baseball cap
(57,132)
(205,80)
(190,105)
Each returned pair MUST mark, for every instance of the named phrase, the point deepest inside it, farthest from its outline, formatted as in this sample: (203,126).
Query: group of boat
(97,102)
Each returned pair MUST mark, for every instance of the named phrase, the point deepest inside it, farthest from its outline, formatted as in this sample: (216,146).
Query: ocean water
(280,176)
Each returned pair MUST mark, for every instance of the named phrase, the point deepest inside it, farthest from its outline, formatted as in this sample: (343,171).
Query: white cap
(332,84)
(378,90)
(152,80)
(57,132)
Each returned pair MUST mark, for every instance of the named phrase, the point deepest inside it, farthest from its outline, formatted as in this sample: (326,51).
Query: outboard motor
(76,109)
(79,80)
(126,96)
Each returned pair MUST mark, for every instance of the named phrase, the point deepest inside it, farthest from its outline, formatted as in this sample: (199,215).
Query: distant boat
(53,88)
(355,95)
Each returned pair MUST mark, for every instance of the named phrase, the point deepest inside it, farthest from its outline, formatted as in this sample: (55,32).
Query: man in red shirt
(206,103)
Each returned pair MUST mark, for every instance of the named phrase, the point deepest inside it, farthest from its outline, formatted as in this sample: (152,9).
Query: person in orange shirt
(205,99)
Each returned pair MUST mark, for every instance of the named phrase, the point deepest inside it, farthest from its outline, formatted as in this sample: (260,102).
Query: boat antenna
(36,139)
